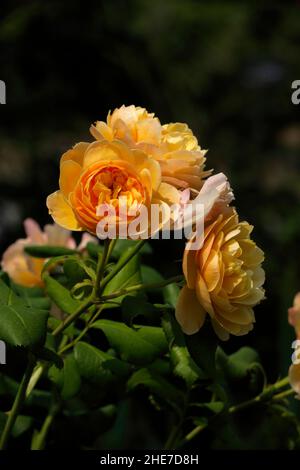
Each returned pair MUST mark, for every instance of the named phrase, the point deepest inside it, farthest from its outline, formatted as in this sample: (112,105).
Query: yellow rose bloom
(101,173)
(224,279)
(294,320)
(294,378)
(294,315)
(181,158)
(24,269)
(131,124)
(173,145)
(178,136)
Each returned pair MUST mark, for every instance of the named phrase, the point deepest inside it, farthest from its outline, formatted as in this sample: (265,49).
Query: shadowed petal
(189,313)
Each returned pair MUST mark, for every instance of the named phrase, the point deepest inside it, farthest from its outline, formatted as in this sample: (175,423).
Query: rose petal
(189,313)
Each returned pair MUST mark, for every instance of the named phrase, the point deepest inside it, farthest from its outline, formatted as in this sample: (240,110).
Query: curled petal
(75,154)
(189,313)
(62,212)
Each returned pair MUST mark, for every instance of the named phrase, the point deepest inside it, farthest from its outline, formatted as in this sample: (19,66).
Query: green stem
(247,404)
(40,439)
(102,260)
(191,435)
(84,331)
(173,438)
(281,383)
(19,400)
(139,287)
(93,298)
(111,247)
(284,394)
(38,372)
(270,393)
(64,324)
(122,262)
(40,369)
(267,394)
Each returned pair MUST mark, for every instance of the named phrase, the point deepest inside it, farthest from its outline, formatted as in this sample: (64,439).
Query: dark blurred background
(224,67)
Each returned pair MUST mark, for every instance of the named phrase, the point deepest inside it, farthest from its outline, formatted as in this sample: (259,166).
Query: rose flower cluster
(136,156)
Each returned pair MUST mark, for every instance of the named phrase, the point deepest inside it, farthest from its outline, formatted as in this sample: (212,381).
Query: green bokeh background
(224,67)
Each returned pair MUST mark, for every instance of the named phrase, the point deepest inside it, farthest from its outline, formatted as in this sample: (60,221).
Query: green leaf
(39,398)
(182,363)
(22,424)
(60,295)
(129,276)
(214,407)
(237,364)
(87,427)
(171,293)
(133,307)
(157,385)
(44,251)
(202,347)
(68,378)
(241,373)
(94,249)
(240,361)
(262,427)
(32,296)
(5,278)
(161,367)
(76,270)
(49,355)
(20,324)
(97,366)
(151,276)
(53,262)
(70,331)
(138,346)
(122,245)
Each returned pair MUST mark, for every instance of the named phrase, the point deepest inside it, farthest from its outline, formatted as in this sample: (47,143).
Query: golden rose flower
(294,377)
(24,269)
(181,158)
(178,136)
(294,315)
(224,279)
(173,145)
(294,320)
(130,124)
(92,175)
